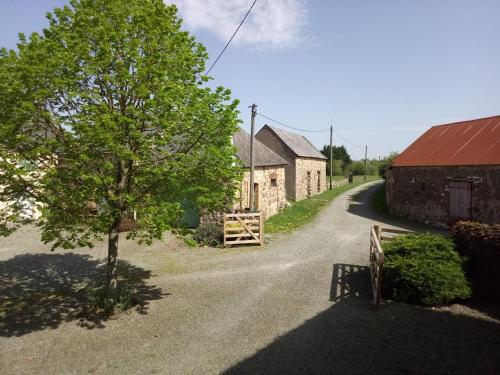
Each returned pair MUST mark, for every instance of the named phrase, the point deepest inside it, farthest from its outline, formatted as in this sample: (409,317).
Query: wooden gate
(460,200)
(376,264)
(242,229)
(377,235)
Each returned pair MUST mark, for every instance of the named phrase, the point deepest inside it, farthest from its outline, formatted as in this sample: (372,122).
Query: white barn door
(460,200)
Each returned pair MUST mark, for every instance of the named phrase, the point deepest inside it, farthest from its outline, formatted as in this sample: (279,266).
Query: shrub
(424,269)
(473,238)
(190,242)
(480,243)
(386,163)
(209,234)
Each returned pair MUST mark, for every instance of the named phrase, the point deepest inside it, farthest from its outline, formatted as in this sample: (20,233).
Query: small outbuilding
(450,173)
(305,170)
(269,176)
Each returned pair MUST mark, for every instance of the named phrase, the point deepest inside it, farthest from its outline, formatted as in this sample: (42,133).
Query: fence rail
(244,229)
(377,257)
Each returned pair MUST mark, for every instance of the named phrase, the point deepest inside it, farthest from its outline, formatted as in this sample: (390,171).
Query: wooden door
(460,200)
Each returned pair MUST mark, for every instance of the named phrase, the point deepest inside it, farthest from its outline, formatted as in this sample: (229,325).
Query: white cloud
(271,24)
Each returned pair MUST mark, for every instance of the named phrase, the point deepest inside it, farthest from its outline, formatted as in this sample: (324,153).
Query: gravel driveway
(299,305)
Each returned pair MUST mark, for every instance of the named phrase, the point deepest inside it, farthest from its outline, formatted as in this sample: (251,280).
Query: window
(308,184)
(274,182)
(422,185)
(319,181)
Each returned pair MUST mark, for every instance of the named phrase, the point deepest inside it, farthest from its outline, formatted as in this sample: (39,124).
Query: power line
(346,140)
(230,40)
(310,131)
(291,127)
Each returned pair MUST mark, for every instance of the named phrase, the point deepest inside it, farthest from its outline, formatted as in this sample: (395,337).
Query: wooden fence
(243,229)
(377,235)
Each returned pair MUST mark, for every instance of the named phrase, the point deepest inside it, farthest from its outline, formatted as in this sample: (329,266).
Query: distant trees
(339,154)
(337,168)
(358,167)
(386,163)
(342,163)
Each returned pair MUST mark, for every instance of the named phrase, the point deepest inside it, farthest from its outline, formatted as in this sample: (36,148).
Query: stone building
(306,169)
(269,176)
(450,173)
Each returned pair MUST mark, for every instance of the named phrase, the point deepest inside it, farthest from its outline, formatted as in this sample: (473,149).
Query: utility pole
(366,154)
(331,157)
(252,157)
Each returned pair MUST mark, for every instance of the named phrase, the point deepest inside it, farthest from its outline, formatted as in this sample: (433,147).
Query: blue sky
(380,71)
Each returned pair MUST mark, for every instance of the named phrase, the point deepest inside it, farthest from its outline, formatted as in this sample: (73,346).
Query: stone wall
(310,177)
(268,138)
(423,193)
(270,193)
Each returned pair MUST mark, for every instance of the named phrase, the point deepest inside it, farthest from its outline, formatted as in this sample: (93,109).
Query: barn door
(460,200)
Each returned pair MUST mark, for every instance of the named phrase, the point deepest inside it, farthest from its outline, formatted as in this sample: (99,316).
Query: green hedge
(480,243)
(424,269)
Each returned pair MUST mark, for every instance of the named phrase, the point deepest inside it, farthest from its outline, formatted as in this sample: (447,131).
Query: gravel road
(299,305)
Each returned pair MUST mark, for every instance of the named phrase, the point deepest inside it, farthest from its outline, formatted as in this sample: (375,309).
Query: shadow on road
(350,281)
(351,338)
(360,205)
(39,291)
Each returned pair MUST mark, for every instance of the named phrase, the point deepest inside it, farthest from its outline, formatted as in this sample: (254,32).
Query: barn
(306,167)
(269,176)
(450,173)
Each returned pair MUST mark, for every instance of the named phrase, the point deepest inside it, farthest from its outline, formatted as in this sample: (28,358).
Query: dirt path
(299,305)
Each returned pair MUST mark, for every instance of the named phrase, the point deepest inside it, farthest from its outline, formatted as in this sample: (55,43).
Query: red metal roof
(474,142)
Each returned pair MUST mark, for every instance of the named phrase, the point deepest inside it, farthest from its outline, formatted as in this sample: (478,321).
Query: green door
(191,215)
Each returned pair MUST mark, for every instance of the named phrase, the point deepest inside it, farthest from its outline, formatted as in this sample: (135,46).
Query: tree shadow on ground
(39,291)
(351,338)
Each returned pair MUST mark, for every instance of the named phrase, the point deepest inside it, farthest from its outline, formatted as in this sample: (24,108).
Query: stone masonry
(310,177)
(423,193)
(270,193)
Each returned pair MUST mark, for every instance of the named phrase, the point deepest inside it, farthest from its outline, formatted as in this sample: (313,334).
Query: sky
(380,72)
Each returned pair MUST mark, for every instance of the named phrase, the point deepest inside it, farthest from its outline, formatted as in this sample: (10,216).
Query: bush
(480,243)
(424,269)
(386,163)
(358,168)
(475,238)
(209,234)
(337,168)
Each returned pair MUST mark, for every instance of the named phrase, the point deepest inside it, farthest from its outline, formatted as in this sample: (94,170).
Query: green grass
(305,210)
(379,203)
(337,178)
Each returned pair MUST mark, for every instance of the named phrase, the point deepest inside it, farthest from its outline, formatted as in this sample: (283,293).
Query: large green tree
(105,113)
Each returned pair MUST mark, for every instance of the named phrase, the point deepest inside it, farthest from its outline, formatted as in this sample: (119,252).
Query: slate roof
(473,142)
(299,144)
(264,156)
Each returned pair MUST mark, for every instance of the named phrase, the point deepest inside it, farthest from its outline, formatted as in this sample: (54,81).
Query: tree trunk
(111,279)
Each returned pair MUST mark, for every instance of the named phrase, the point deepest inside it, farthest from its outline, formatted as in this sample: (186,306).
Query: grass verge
(305,210)
(379,202)
(336,178)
